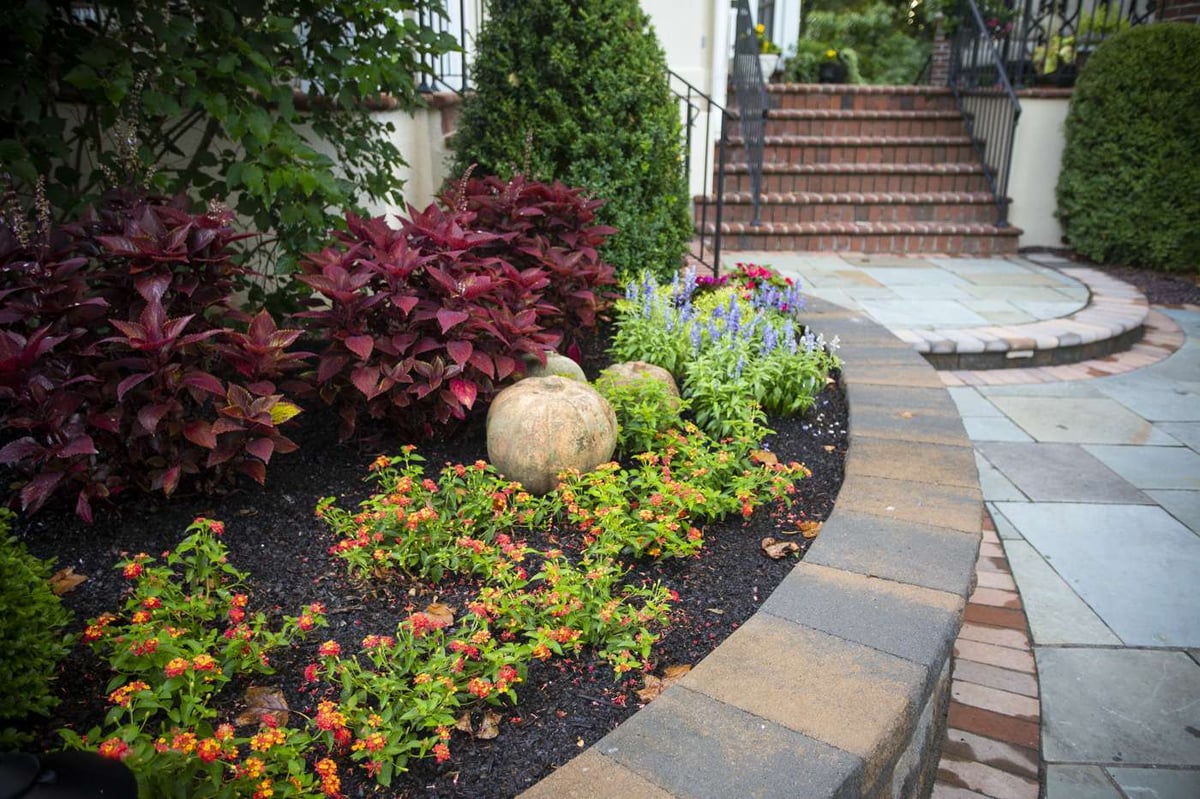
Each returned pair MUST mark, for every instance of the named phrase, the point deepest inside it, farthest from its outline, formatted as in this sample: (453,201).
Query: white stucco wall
(1037,159)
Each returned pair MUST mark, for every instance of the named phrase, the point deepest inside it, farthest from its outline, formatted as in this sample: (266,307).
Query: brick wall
(1180,11)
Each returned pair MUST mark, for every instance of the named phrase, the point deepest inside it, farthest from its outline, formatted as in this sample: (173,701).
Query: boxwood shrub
(1129,190)
(32,619)
(577,92)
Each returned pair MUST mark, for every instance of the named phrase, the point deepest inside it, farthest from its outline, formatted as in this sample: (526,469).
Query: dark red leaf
(360,346)
(460,351)
(255,469)
(261,448)
(133,380)
(19,450)
(366,380)
(448,318)
(83,445)
(464,391)
(170,480)
(38,490)
(201,434)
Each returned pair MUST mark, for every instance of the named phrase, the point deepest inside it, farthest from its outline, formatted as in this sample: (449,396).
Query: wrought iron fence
(451,71)
(700,113)
(986,98)
(1047,42)
(750,92)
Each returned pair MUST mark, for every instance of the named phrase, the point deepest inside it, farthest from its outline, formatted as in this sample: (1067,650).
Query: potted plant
(768,52)
(832,68)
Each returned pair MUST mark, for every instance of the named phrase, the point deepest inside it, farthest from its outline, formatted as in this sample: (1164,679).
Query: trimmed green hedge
(586,81)
(1129,190)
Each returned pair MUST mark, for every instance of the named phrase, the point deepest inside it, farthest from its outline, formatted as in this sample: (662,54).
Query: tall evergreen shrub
(586,82)
(1129,190)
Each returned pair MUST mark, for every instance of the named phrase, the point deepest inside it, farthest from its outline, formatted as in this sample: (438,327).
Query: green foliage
(738,350)
(32,619)
(891,46)
(1129,190)
(645,408)
(209,90)
(577,92)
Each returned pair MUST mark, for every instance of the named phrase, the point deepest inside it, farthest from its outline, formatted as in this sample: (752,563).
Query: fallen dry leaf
(778,549)
(489,728)
(763,457)
(464,724)
(65,580)
(656,685)
(829,447)
(440,614)
(906,414)
(263,702)
(810,529)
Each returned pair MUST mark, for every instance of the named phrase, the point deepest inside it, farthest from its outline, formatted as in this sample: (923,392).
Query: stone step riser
(973,212)
(837,152)
(855,101)
(777,126)
(861,183)
(882,243)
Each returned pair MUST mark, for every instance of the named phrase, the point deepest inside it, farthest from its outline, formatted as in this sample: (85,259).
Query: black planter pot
(831,72)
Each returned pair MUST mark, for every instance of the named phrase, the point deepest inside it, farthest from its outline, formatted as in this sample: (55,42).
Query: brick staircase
(863,169)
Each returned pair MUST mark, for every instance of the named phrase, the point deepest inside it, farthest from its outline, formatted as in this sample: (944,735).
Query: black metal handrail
(751,93)
(698,109)
(986,98)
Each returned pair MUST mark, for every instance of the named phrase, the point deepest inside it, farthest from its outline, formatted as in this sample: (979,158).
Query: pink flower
(329,649)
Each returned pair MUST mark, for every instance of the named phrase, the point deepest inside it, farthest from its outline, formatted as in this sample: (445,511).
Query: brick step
(829,122)
(861,98)
(862,178)
(966,207)
(859,149)
(870,237)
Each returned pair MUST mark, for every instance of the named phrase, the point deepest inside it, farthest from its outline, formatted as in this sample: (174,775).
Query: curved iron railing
(986,98)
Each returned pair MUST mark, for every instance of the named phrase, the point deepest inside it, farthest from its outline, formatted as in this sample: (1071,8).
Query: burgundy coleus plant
(419,323)
(118,365)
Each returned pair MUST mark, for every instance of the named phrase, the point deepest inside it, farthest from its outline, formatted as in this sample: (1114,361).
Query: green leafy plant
(225,99)
(645,409)
(879,43)
(582,90)
(1127,189)
(185,637)
(32,620)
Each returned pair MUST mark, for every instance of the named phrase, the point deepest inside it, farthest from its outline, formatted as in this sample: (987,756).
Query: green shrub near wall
(1129,190)
(586,80)
(32,619)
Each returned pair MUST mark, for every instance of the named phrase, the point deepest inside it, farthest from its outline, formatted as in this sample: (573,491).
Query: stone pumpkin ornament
(541,426)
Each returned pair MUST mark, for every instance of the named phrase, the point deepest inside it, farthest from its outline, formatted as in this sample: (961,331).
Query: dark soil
(1160,288)
(272,533)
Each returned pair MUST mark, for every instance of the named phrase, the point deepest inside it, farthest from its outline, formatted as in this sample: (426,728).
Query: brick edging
(838,685)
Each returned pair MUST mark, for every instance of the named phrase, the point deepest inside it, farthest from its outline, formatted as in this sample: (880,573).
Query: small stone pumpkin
(555,364)
(541,426)
(623,374)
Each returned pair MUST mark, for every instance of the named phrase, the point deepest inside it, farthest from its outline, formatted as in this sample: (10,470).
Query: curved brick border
(838,686)
(1113,320)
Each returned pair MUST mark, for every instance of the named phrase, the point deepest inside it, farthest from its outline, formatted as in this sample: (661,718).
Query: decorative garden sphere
(623,374)
(541,426)
(556,364)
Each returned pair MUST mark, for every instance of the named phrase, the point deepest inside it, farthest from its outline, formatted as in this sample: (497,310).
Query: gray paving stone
(925,415)
(848,695)
(694,746)
(1119,706)
(1055,613)
(1079,782)
(995,486)
(943,464)
(908,552)
(1134,565)
(989,428)
(1083,389)
(1059,473)
(903,375)
(1079,421)
(1162,400)
(1186,433)
(1152,467)
(971,403)
(953,507)
(590,775)
(1183,505)
(917,624)
(1004,528)
(934,313)
(1147,783)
